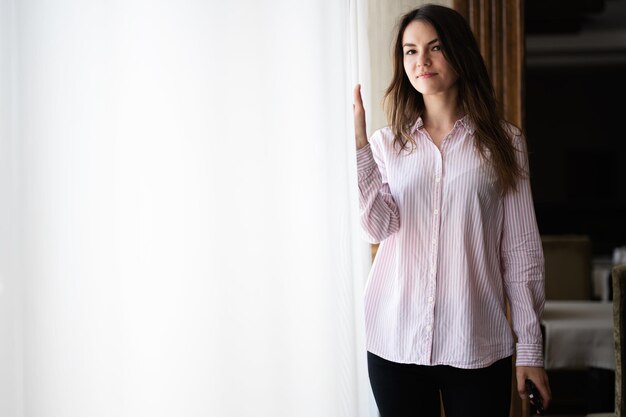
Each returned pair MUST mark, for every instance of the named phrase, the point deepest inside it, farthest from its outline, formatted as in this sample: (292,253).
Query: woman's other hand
(539,377)
(359,118)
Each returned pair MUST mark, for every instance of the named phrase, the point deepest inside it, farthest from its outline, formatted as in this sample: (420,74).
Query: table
(578,335)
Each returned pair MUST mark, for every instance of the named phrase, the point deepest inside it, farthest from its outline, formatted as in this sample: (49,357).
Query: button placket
(432,276)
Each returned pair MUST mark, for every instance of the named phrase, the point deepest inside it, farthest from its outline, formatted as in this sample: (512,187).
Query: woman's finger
(359,119)
(358,101)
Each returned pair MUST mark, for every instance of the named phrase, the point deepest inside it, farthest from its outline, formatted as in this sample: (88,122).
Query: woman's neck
(441,112)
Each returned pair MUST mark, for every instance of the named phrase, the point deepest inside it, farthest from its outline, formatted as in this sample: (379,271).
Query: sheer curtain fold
(181,221)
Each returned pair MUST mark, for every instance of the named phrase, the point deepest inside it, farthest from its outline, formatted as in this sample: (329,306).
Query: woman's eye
(410,52)
(436,48)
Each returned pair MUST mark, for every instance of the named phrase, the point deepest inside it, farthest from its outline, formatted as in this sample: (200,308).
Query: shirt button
(434,241)
(429,327)
(430,299)
(437,179)
(436,211)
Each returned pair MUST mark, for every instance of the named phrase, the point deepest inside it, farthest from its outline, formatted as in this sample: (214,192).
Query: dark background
(576,118)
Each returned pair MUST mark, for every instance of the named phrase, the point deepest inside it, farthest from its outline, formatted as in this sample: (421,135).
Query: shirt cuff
(365,159)
(529,355)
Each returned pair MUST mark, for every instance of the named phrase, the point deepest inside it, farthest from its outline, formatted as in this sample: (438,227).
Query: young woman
(445,190)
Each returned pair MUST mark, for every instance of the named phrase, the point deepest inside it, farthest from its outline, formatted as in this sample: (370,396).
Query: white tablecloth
(578,335)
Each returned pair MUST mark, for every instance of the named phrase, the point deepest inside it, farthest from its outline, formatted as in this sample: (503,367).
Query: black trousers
(405,390)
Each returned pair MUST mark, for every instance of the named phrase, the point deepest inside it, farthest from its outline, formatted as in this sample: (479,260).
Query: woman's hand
(539,377)
(359,118)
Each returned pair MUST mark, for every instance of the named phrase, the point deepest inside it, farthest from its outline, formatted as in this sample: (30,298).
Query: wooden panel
(499,29)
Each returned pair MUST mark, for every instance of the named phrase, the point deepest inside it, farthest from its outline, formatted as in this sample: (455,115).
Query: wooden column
(499,29)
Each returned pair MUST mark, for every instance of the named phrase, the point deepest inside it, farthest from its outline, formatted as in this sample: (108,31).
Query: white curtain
(179,232)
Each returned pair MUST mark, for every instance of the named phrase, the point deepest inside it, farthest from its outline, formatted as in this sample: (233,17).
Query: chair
(619,332)
(568,266)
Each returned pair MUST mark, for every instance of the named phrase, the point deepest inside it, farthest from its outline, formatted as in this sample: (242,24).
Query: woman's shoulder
(513,131)
(516,135)
(383,137)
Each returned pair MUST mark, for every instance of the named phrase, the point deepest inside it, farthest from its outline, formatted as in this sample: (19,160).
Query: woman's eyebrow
(429,43)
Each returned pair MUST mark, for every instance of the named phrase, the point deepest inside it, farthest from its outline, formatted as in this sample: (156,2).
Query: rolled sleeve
(380,216)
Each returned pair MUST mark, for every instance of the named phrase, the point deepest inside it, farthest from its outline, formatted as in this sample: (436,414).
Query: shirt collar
(417,125)
(465,121)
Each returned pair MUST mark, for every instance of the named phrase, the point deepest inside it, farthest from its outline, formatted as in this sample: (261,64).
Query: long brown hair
(404,104)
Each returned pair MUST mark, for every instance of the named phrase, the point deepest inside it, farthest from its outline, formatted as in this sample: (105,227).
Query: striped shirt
(451,250)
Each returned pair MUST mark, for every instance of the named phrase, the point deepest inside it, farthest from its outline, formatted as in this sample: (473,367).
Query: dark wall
(576,131)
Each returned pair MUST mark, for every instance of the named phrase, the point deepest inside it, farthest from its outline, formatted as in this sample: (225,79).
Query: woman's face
(424,63)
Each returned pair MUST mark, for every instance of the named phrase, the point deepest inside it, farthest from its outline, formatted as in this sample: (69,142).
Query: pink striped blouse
(451,249)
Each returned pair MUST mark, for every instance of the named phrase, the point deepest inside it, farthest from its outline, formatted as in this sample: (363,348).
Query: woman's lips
(426,75)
